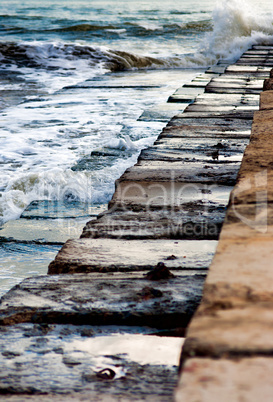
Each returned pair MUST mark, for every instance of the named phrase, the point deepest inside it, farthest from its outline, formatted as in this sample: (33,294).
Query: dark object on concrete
(171,257)
(215,155)
(106,374)
(150,293)
(159,272)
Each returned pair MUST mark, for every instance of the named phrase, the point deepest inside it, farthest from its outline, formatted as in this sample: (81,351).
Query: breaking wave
(233,29)
(236,27)
(50,55)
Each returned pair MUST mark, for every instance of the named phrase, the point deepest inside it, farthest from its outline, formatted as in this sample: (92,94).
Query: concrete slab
(215,131)
(255,61)
(103,299)
(48,209)
(112,255)
(216,153)
(195,107)
(166,195)
(185,94)
(242,277)
(217,69)
(206,223)
(247,332)
(239,90)
(194,147)
(63,363)
(256,52)
(210,380)
(266,99)
(234,68)
(197,84)
(42,231)
(221,99)
(211,123)
(181,99)
(246,115)
(188,172)
(162,112)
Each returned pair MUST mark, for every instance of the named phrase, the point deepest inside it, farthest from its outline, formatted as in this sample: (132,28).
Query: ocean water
(76,77)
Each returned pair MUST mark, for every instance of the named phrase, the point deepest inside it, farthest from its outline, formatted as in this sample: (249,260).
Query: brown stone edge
(223,296)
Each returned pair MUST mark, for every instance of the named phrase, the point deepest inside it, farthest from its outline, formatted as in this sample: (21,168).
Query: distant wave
(197,26)
(137,29)
(235,27)
(84,28)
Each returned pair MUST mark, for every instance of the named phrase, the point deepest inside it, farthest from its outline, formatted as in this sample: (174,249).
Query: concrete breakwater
(133,266)
(228,350)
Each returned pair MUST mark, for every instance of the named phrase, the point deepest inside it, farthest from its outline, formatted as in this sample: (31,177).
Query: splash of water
(236,27)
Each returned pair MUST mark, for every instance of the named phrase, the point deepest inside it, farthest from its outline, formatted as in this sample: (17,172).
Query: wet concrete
(104,299)
(172,202)
(63,362)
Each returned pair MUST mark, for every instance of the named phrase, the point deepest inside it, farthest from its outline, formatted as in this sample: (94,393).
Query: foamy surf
(236,27)
(233,29)
(55,124)
(68,185)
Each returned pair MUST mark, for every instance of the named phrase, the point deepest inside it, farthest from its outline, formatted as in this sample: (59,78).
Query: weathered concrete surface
(234,321)
(209,380)
(199,152)
(184,178)
(62,363)
(104,255)
(104,299)
(266,101)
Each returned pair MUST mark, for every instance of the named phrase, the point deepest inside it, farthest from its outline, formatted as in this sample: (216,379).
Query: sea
(78,77)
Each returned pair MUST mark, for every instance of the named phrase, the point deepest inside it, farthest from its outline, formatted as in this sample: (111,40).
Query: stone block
(112,255)
(209,380)
(231,331)
(103,299)
(266,99)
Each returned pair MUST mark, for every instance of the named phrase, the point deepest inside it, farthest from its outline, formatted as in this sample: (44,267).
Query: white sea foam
(122,143)
(55,184)
(66,185)
(236,27)
(43,137)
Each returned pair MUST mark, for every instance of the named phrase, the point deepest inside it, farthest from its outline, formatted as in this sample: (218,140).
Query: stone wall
(227,355)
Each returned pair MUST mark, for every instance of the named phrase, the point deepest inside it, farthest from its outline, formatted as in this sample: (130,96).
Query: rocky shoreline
(165,216)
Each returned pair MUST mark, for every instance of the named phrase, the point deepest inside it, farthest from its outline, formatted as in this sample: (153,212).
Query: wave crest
(236,27)
(233,29)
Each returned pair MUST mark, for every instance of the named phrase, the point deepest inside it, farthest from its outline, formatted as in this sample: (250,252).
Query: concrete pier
(142,263)
(228,350)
